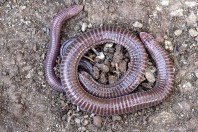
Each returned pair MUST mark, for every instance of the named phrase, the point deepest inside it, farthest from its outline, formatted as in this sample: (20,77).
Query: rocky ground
(27,103)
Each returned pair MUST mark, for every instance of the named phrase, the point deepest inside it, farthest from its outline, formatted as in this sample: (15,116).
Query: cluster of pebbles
(110,63)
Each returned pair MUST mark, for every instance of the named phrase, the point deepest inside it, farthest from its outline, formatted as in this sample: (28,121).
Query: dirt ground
(27,103)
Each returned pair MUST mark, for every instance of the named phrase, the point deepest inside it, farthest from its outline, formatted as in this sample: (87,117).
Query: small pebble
(196,38)
(19,57)
(190,3)
(89,25)
(64,117)
(104,68)
(108,45)
(112,79)
(178,32)
(28,75)
(18,110)
(192,19)
(138,24)
(96,72)
(85,122)
(184,106)
(117,57)
(178,12)
(165,2)
(77,120)
(112,9)
(92,115)
(181,72)
(84,27)
(27,68)
(97,121)
(92,128)
(86,116)
(147,85)
(62,96)
(103,79)
(196,63)
(23,7)
(187,87)
(168,45)
(101,56)
(40,73)
(196,73)
(150,76)
(193,32)
(163,118)
(123,66)
(82,129)
(116,118)
(159,38)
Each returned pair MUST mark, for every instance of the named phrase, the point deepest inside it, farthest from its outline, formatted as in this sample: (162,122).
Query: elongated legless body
(109,99)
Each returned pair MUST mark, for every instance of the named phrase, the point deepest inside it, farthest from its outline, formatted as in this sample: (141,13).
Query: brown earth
(27,103)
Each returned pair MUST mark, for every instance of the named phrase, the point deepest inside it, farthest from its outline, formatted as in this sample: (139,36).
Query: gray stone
(193,32)
(18,110)
(97,121)
(184,106)
(192,19)
(178,12)
(138,24)
(82,129)
(85,122)
(190,3)
(187,87)
(150,76)
(116,118)
(77,121)
(168,45)
(196,38)
(178,32)
(196,73)
(163,118)
(165,2)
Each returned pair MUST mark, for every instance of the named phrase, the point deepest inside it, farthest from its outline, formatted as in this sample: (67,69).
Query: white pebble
(109,45)
(196,73)
(84,27)
(190,3)
(82,129)
(85,122)
(77,120)
(196,39)
(193,32)
(178,32)
(149,76)
(165,2)
(23,7)
(178,12)
(86,116)
(28,75)
(168,45)
(89,26)
(187,87)
(138,24)
(192,19)
(116,118)
(101,56)
(159,8)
